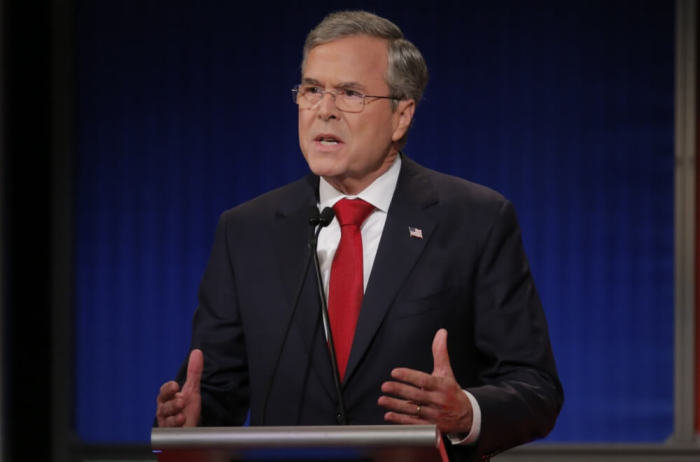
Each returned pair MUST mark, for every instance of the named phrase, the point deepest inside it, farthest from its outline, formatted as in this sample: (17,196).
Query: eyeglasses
(345,100)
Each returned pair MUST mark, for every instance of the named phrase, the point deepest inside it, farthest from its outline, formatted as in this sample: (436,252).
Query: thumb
(194,372)
(441,358)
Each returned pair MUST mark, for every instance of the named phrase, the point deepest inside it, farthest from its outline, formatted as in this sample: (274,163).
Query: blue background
(184,110)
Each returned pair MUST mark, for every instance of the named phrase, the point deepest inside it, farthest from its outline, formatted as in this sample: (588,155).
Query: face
(350,150)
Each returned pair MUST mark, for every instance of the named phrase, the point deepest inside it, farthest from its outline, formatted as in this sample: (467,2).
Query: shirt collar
(379,193)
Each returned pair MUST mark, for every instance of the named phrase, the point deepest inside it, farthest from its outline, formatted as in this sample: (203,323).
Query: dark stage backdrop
(184,110)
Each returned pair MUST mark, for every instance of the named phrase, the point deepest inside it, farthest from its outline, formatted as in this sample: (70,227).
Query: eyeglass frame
(334,93)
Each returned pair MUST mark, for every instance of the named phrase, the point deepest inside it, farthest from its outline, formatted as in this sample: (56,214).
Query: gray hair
(407,73)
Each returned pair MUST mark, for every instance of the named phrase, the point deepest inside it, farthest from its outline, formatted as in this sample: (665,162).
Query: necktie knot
(352,211)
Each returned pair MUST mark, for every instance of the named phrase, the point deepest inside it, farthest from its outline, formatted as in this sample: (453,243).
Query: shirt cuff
(475,431)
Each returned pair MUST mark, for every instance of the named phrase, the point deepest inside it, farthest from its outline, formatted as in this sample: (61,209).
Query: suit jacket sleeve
(218,332)
(519,393)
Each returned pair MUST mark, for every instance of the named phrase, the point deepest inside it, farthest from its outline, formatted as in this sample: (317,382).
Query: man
(425,254)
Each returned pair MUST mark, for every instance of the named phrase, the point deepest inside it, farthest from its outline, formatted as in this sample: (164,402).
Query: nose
(326,107)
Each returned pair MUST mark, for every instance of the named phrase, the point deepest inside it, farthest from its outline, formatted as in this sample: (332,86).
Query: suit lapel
(292,253)
(397,254)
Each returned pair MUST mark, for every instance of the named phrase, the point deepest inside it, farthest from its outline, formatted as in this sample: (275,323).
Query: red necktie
(346,285)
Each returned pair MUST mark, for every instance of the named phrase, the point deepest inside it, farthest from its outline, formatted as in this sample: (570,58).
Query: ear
(403,115)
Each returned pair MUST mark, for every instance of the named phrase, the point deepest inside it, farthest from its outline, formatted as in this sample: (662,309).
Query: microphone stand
(324,219)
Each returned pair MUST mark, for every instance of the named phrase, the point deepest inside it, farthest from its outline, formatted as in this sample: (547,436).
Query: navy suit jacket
(468,274)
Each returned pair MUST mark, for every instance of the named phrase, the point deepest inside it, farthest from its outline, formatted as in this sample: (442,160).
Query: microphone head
(326,216)
(313,216)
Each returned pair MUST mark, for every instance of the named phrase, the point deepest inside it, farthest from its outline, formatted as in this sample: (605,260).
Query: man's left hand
(418,398)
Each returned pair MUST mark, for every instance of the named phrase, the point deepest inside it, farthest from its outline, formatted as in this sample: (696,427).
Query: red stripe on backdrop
(697,265)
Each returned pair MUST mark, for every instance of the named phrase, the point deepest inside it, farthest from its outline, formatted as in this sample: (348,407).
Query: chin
(323,165)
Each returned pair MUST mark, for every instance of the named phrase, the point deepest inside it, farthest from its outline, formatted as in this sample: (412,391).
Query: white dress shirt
(379,194)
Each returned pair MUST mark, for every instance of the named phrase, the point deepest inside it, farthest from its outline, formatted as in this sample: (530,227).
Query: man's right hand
(181,408)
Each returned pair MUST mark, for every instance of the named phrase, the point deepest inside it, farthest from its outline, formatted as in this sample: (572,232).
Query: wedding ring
(417,410)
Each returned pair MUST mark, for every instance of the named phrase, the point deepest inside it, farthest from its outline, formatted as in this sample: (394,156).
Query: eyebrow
(355,85)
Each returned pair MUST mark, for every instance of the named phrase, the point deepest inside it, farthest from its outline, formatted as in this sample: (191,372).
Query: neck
(353,186)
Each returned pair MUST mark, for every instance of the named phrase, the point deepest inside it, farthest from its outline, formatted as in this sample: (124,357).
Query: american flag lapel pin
(415,232)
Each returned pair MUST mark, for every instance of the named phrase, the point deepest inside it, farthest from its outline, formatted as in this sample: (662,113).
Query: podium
(376,443)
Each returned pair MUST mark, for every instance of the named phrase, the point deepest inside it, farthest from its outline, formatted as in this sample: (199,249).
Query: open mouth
(327,140)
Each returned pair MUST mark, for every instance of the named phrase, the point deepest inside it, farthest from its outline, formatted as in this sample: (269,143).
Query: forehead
(358,58)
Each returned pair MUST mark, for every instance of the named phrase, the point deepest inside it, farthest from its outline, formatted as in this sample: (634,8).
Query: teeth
(327,142)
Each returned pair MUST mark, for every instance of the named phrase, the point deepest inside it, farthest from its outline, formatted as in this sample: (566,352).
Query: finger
(441,358)
(424,411)
(416,378)
(170,413)
(411,393)
(171,407)
(432,399)
(404,419)
(177,420)
(195,366)
(168,391)
(398,405)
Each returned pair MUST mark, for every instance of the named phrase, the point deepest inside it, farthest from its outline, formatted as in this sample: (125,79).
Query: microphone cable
(319,221)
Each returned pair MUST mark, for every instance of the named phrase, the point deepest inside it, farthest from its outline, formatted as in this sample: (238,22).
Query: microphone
(314,216)
(321,220)
(325,217)
(315,220)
